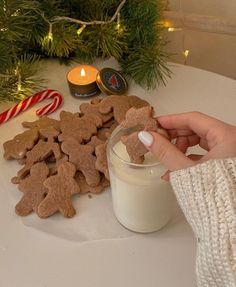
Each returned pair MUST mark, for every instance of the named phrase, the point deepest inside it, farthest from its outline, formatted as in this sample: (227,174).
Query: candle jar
(142,201)
(82,81)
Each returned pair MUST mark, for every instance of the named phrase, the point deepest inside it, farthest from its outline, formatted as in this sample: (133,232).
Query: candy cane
(31,101)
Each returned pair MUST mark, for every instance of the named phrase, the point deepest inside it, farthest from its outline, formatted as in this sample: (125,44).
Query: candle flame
(82,72)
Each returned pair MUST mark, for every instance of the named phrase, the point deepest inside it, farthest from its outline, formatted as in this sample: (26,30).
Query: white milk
(142,201)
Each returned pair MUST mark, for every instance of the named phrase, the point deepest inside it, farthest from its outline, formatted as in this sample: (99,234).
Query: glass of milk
(142,201)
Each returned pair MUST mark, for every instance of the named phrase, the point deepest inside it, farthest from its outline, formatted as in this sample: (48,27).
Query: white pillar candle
(142,201)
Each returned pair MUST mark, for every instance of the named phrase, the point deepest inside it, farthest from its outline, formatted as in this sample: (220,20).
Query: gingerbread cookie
(95,101)
(54,167)
(20,144)
(139,119)
(142,117)
(33,189)
(120,105)
(92,110)
(49,133)
(42,150)
(137,102)
(78,128)
(84,160)
(68,115)
(60,187)
(43,123)
(134,147)
(101,161)
(85,188)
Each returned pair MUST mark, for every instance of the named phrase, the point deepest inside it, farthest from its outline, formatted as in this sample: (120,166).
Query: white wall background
(209,51)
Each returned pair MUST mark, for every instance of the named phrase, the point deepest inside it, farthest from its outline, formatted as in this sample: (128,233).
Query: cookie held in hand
(139,119)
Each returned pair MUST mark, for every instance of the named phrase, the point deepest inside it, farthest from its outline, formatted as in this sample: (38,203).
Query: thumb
(167,153)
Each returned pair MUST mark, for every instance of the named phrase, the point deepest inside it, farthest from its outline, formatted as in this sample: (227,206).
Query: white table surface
(166,258)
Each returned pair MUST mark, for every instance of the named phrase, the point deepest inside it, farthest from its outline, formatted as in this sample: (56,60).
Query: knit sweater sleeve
(207,195)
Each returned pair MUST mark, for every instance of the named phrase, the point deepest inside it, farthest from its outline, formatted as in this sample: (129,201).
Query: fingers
(194,121)
(194,157)
(182,143)
(166,152)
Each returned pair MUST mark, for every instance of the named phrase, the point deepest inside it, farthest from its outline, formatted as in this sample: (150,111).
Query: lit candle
(82,81)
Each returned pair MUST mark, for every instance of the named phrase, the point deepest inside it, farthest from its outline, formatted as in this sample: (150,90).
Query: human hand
(190,129)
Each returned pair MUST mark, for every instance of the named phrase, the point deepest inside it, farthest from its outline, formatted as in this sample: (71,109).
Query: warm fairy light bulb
(186,53)
(81,29)
(50,35)
(82,72)
(118,25)
(16,13)
(173,29)
(19,87)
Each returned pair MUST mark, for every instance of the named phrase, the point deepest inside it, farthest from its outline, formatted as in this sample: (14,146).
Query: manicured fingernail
(146,138)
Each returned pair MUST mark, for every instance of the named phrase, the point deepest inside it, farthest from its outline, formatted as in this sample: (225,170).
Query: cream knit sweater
(207,194)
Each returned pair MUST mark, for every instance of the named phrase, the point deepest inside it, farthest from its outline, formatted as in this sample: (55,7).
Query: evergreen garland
(31,30)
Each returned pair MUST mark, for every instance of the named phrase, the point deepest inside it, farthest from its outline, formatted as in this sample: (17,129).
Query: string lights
(81,29)
(49,37)
(171,28)
(118,22)
(18,75)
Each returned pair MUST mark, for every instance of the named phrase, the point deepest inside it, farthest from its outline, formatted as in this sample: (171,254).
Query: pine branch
(20,82)
(147,67)
(146,61)
(63,42)
(128,30)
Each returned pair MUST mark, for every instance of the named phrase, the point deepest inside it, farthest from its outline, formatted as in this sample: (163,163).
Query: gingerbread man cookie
(92,110)
(141,119)
(42,150)
(43,123)
(84,160)
(60,187)
(33,189)
(68,115)
(78,128)
(20,144)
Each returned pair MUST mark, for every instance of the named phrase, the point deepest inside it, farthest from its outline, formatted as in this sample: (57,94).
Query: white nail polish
(146,138)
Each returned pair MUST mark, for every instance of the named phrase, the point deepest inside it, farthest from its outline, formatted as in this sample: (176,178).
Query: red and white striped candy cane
(31,101)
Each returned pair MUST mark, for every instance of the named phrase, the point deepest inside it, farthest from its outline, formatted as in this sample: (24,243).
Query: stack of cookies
(64,157)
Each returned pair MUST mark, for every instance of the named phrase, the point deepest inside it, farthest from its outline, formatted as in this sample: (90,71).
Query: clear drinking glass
(142,201)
